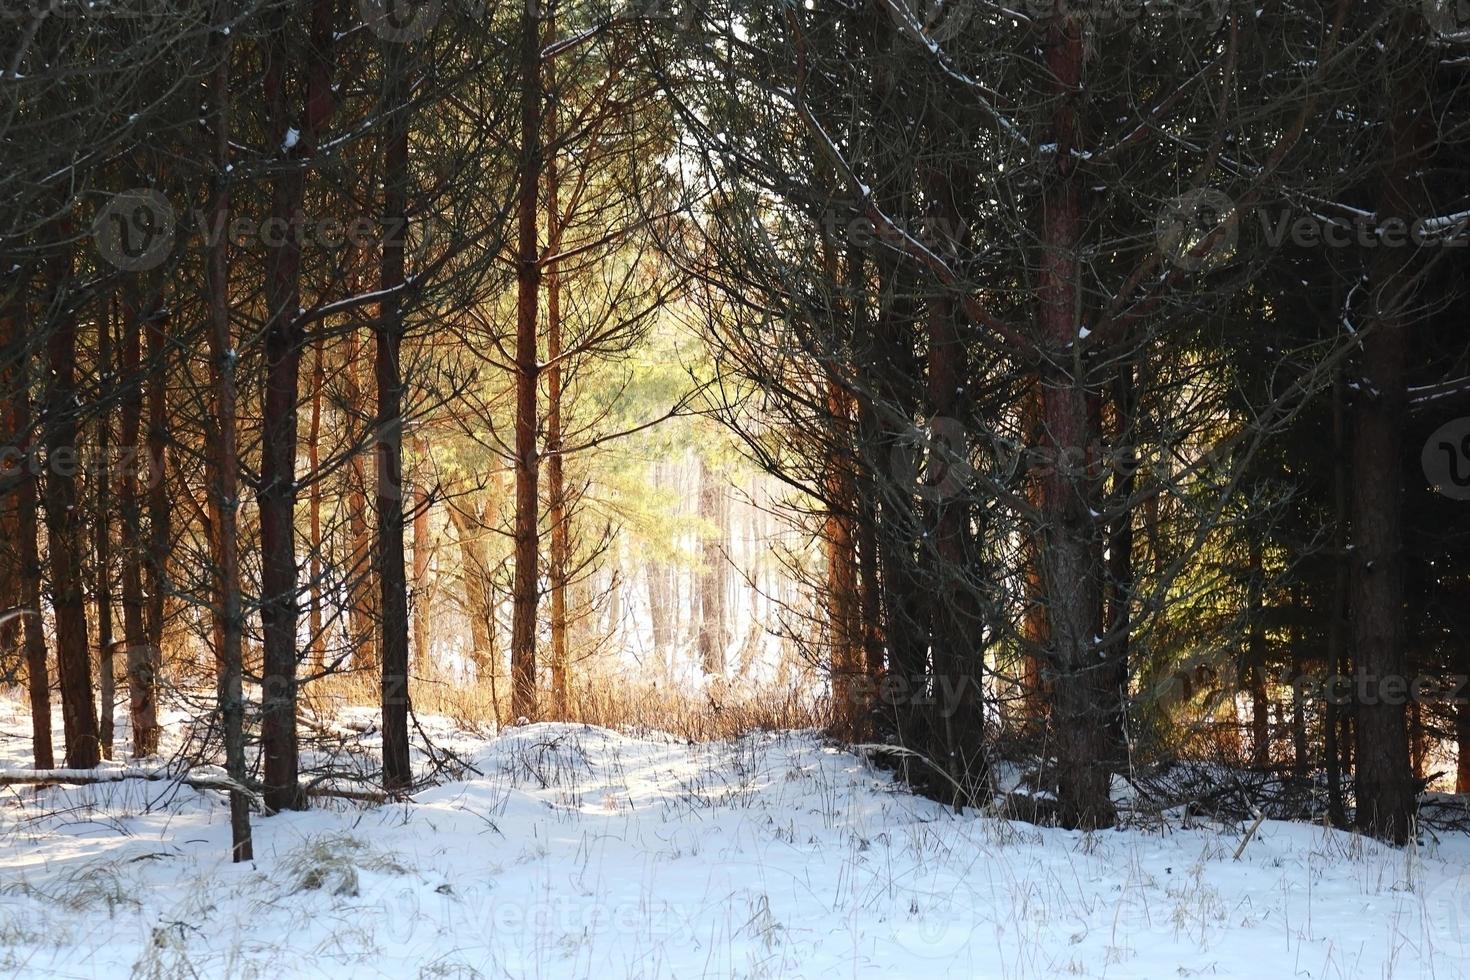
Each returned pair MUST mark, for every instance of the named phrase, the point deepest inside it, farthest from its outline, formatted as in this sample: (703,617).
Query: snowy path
(584,853)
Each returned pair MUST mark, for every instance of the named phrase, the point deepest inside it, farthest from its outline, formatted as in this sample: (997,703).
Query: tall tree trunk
(556,501)
(422,546)
(528,285)
(314,506)
(1462,746)
(1337,659)
(953,617)
(393,597)
(142,691)
(224,463)
(479,605)
(160,503)
(661,614)
(1033,696)
(844,619)
(848,653)
(714,635)
(1300,751)
(12,442)
(1384,781)
(363,620)
(28,558)
(615,594)
(284,338)
(1068,547)
(106,692)
(1256,659)
(1119,624)
(38,681)
(64,528)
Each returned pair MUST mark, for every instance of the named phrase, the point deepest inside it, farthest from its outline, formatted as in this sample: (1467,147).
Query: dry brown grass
(725,711)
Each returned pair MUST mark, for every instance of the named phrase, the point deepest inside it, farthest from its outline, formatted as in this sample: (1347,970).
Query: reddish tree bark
(844,617)
(362,620)
(556,500)
(64,528)
(160,501)
(284,338)
(1069,557)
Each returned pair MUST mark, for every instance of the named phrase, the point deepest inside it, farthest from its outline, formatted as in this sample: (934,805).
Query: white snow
(578,852)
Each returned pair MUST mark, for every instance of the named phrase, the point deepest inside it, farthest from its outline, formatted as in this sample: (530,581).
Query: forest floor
(571,851)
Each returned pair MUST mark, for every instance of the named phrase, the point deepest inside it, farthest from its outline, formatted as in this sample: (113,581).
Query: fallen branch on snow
(86,777)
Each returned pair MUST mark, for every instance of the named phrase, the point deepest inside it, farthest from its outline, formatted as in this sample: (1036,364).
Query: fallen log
(356,795)
(87,777)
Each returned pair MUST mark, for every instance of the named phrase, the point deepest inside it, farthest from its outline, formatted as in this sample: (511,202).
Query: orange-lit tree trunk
(1462,742)
(556,503)
(362,617)
(849,692)
(160,502)
(1033,696)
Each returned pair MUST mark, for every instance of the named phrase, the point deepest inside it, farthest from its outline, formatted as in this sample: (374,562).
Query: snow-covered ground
(580,852)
